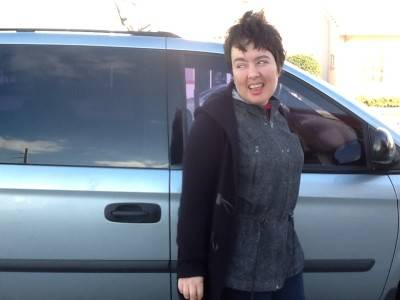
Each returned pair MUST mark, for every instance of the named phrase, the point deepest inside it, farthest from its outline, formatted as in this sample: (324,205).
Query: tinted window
(195,75)
(91,106)
(330,136)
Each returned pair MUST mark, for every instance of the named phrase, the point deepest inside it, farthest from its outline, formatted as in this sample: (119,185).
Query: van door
(84,180)
(346,217)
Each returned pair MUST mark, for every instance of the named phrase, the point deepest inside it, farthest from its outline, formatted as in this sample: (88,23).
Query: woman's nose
(253,72)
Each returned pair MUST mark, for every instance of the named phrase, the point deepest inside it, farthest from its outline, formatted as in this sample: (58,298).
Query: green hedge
(380,101)
(305,62)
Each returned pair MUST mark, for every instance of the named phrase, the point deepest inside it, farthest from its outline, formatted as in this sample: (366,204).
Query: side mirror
(383,147)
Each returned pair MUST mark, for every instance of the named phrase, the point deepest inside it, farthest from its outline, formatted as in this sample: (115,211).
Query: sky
(201,19)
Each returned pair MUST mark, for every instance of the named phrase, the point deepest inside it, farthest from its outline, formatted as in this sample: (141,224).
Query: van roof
(136,33)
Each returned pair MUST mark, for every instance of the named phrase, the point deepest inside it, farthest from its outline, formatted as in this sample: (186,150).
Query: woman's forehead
(249,50)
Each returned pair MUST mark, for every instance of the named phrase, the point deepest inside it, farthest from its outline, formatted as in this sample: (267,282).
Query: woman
(241,177)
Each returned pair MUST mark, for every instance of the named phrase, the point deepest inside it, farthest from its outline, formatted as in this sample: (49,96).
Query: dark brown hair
(253,28)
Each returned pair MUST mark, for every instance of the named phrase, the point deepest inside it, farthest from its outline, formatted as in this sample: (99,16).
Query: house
(356,43)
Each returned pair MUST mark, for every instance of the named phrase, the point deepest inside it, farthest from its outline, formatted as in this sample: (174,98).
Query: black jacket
(209,194)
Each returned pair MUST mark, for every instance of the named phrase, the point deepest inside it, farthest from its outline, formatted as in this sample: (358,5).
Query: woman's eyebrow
(241,59)
(263,56)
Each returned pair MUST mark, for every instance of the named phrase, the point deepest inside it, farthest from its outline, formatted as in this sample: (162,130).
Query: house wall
(304,27)
(368,65)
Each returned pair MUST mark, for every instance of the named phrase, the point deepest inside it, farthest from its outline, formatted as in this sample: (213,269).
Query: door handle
(133,212)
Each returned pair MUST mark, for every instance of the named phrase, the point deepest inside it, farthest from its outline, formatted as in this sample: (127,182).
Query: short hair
(253,28)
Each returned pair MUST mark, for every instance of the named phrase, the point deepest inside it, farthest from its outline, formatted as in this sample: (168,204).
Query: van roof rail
(137,33)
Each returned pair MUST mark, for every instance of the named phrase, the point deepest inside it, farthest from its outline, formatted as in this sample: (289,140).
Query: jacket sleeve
(199,185)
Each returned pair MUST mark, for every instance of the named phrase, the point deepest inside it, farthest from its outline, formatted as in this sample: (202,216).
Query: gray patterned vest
(266,250)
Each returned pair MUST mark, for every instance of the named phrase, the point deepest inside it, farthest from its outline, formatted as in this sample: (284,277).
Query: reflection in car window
(199,74)
(87,106)
(196,93)
(329,135)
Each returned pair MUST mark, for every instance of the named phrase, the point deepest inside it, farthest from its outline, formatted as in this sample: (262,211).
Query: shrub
(305,62)
(380,101)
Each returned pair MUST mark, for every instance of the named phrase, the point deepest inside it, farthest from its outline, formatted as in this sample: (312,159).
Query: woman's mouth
(255,88)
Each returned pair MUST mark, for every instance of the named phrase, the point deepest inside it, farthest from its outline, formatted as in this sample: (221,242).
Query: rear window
(83,106)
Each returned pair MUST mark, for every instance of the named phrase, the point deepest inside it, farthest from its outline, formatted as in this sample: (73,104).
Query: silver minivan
(92,133)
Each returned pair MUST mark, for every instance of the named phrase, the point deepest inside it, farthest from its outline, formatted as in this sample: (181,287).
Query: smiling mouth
(255,86)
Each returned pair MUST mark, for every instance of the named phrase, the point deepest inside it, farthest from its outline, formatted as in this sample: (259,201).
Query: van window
(198,75)
(83,106)
(331,137)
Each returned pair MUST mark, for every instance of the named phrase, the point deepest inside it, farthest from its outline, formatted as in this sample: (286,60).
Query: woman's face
(255,74)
